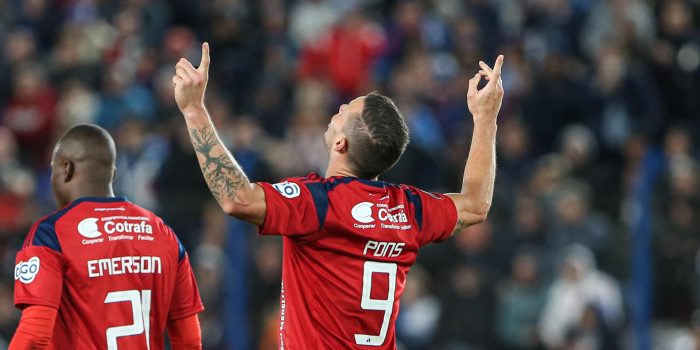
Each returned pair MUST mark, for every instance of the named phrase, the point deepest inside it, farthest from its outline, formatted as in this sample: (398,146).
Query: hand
(190,83)
(484,104)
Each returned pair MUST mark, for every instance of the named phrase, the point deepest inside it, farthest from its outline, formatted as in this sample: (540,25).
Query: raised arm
(474,201)
(224,176)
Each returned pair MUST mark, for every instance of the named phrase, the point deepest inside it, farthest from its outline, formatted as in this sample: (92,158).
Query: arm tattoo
(223,176)
(461,225)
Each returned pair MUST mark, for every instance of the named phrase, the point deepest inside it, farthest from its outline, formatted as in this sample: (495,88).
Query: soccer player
(349,239)
(101,273)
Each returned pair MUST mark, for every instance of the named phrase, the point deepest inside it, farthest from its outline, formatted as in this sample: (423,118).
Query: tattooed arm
(224,176)
(474,201)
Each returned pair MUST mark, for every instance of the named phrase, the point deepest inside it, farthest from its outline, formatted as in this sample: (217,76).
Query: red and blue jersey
(348,246)
(116,273)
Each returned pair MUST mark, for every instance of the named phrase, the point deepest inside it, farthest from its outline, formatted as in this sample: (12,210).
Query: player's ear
(114,173)
(341,144)
(68,170)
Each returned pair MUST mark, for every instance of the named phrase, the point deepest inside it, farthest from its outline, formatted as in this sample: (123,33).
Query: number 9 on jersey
(367,303)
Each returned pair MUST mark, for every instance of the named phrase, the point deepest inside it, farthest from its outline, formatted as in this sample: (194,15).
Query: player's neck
(335,169)
(92,191)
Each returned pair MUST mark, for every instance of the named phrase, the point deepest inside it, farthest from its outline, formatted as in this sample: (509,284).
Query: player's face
(338,121)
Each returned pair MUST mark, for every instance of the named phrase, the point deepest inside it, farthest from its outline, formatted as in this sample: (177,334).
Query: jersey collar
(100,199)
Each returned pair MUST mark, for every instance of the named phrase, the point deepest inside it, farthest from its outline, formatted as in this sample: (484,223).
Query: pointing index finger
(499,63)
(204,63)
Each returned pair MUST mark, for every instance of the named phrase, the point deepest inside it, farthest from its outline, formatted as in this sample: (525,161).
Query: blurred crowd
(592,87)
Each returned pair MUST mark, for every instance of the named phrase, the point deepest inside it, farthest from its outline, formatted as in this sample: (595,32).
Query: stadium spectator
(346,54)
(420,312)
(582,296)
(310,19)
(520,302)
(16,186)
(210,264)
(574,222)
(139,158)
(468,312)
(30,113)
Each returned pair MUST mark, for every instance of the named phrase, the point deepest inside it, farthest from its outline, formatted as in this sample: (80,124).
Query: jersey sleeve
(186,300)
(39,269)
(436,215)
(294,207)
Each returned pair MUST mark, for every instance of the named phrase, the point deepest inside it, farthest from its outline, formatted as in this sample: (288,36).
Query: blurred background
(593,238)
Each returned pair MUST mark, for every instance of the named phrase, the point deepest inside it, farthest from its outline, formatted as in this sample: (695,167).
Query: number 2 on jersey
(140,308)
(386,305)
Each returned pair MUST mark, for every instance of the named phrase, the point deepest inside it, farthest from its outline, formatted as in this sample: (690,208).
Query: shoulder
(161,227)
(423,193)
(421,198)
(145,213)
(158,225)
(291,187)
(43,232)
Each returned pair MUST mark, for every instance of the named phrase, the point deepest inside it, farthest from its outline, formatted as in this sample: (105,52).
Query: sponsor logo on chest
(370,215)
(115,228)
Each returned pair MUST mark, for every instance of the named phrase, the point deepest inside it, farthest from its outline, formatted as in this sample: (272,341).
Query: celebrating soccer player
(349,239)
(101,273)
